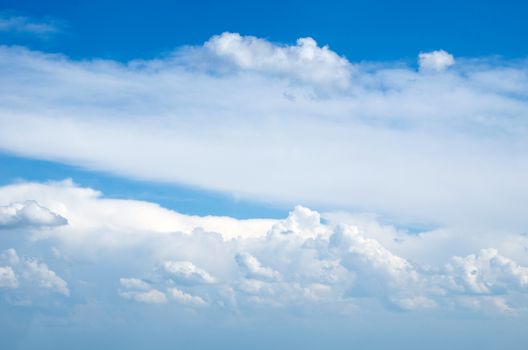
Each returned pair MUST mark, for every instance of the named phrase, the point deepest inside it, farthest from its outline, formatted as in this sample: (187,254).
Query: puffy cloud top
(305,61)
(28,214)
(31,274)
(185,298)
(187,273)
(325,261)
(486,273)
(254,268)
(436,61)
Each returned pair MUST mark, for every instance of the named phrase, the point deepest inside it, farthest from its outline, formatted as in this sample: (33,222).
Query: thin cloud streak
(16,24)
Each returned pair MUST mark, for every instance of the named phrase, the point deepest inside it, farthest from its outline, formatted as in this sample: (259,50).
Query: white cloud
(185,298)
(486,273)
(34,274)
(301,261)
(22,24)
(305,61)
(301,221)
(45,277)
(134,283)
(8,278)
(254,268)
(285,124)
(140,291)
(187,273)
(152,296)
(375,265)
(28,214)
(87,211)
(11,256)
(436,61)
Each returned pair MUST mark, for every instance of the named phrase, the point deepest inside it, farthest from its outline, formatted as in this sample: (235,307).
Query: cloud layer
(440,143)
(443,144)
(297,261)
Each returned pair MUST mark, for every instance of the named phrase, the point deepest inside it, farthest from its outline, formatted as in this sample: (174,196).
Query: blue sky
(263,174)
(184,199)
(360,30)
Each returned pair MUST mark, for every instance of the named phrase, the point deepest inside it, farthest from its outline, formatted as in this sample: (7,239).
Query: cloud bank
(287,124)
(439,142)
(337,266)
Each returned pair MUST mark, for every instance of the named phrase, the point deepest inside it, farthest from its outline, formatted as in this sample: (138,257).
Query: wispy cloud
(10,23)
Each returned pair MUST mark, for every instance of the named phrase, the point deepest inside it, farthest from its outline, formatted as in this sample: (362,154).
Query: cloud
(378,271)
(152,296)
(94,213)
(134,283)
(7,277)
(28,214)
(305,61)
(186,272)
(25,25)
(330,263)
(436,61)
(254,268)
(301,221)
(286,124)
(45,277)
(140,291)
(486,273)
(33,274)
(185,298)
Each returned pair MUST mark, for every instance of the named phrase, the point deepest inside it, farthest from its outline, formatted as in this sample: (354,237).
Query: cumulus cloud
(8,278)
(305,61)
(486,272)
(306,260)
(45,277)
(254,268)
(33,274)
(185,298)
(28,214)
(436,61)
(301,221)
(378,270)
(141,291)
(186,272)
